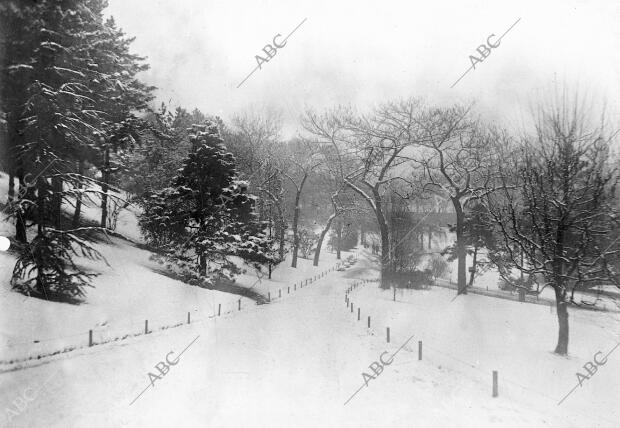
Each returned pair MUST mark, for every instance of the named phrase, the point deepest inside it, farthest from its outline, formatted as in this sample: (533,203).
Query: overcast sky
(366,52)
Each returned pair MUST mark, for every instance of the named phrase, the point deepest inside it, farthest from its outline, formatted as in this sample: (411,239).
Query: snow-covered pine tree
(117,95)
(206,215)
(55,122)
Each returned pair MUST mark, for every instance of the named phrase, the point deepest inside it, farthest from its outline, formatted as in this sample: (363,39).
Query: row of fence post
(495,375)
(219,306)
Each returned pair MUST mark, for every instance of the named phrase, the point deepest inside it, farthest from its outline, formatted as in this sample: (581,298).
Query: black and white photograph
(309,213)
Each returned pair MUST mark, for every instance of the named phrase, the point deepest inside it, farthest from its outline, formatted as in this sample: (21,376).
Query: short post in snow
(188,318)
(388,334)
(419,350)
(146,326)
(269,296)
(219,309)
(90,338)
(351,307)
(368,321)
(295,287)
(495,389)
(280,293)
(239,304)
(288,290)
(358,314)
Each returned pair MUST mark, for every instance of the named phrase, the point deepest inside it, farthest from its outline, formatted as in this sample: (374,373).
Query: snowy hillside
(301,358)
(129,290)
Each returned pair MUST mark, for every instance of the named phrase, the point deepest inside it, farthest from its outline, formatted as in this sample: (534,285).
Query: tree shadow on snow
(223,286)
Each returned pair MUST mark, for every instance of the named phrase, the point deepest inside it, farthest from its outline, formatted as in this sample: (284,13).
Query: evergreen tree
(52,124)
(69,90)
(206,215)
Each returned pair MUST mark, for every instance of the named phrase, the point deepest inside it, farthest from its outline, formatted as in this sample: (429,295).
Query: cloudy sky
(366,52)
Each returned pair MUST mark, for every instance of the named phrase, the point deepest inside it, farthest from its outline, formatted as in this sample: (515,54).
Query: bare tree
(336,211)
(255,134)
(274,189)
(556,210)
(303,160)
(369,150)
(455,163)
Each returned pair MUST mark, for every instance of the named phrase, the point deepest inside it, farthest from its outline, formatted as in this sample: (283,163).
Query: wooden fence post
(90,338)
(219,309)
(239,304)
(358,314)
(419,350)
(388,334)
(188,318)
(368,321)
(146,326)
(495,389)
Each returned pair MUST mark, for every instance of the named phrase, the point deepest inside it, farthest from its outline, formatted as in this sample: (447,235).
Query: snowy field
(130,290)
(296,361)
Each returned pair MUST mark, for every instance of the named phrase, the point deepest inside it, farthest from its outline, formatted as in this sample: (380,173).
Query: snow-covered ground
(296,361)
(128,291)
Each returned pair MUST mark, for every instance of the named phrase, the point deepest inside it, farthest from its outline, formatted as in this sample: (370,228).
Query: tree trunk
(11,196)
(20,227)
(203,264)
(562,310)
(362,235)
(295,235)
(385,238)
(296,221)
(105,177)
(282,230)
(281,250)
(460,248)
(430,237)
(473,272)
(20,223)
(338,241)
(57,202)
(78,201)
(319,243)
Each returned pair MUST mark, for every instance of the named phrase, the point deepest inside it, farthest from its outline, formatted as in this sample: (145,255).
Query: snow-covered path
(290,363)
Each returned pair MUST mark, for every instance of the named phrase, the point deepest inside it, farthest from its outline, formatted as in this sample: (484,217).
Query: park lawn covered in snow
(472,335)
(296,361)
(128,291)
